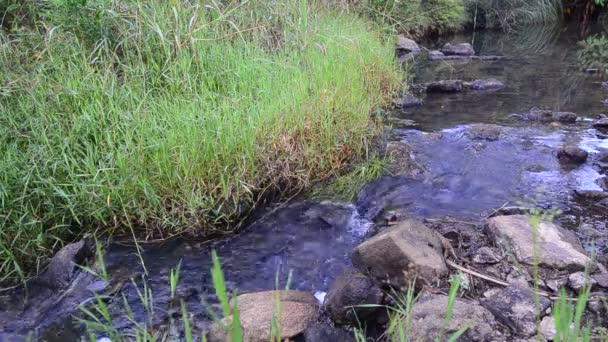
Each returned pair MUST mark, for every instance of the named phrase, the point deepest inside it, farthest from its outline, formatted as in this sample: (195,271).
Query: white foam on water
(586,177)
(320,296)
(591,143)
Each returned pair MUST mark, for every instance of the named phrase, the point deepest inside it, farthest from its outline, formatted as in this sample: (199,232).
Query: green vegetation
(173,116)
(593,52)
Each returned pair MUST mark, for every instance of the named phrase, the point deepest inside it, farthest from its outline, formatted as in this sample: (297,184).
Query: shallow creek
(310,243)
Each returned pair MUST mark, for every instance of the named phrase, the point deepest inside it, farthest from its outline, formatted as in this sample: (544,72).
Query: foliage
(593,52)
(417,16)
(174,116)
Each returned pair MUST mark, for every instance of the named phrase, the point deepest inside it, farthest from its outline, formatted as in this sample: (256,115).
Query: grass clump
(174,116)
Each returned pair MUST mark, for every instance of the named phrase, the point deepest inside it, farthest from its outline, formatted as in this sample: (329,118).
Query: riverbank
(163,117)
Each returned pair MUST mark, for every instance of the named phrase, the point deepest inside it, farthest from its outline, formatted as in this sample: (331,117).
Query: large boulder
(299,310)
(489,84)
(447,86)
(407,45)
(346,295)
(515,307)
(463,49)
(572,154)
(402,254)
(428,316)
(557,248)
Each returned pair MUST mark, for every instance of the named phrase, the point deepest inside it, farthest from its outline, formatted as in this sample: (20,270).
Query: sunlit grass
(172,116)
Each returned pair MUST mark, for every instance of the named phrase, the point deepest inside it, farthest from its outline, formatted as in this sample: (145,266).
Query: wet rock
(602,182)
(428,316)
(298,311)
(547,328)
(601,123)
(557,248)
(463,49)
(406,45)
(490,84)
(485,255)
(601,279)
(406,58)
(436,55)
(591,195)
(402,254)
(447,86)
(572,154)
(407,101)
(488,132)
(515,307)
(326,332)
(536,168)
(62,267)
(564,117)
(402,162)
(557,284)
(348,291)
(577,281)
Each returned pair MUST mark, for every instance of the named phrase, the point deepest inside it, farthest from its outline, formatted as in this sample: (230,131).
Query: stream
(306,244)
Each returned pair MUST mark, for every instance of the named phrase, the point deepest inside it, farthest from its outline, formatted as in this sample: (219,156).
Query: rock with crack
(402,254)
(446,86)
(428,316)
(299,310)
(557,248)
(463,49)
(406,45)
(515,307)
(572,154)
(346,296)
(490,84)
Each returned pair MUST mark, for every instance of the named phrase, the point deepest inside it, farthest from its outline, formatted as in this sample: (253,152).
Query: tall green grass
(174,116)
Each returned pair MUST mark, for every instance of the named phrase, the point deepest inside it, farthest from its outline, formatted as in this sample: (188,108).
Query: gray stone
(547,328)
(557,284)
(485,255)
(402,254)
(601,279)
(327,332)
(601,123)
(406,45)
(515,307)
(557,248)
(572,154)
(428,316)
(447,86)
(490,84)
(406,101)
(408,57)
(577,281)
(463,49)
(257,310)
(347,293)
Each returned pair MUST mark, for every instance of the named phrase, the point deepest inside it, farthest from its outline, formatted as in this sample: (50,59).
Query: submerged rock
(428,316)
(406,45)
(401,159)
(447,86)
(572,154)
(257,310)
(488,132)
(402,254)
(490,84)
(557,248)
(548,116)
(347,293)
(406,101)
(463,49)
(515,307)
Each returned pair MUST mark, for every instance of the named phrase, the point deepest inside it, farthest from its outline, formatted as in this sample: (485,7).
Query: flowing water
(307,244)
